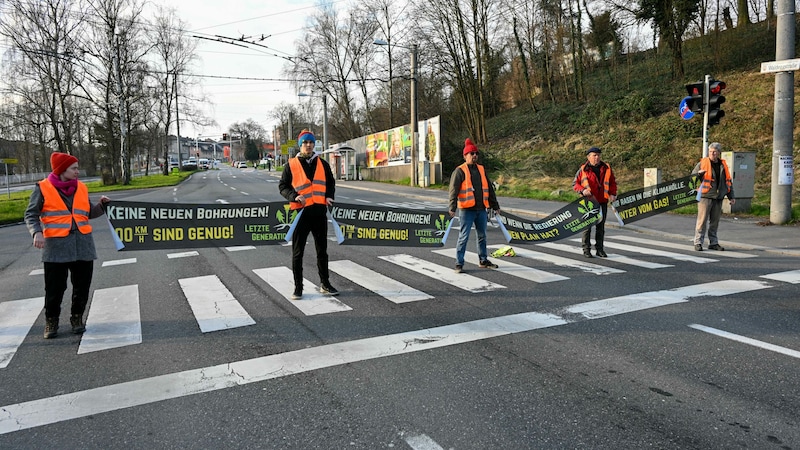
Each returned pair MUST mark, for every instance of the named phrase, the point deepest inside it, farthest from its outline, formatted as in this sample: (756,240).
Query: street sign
(787,65)
(8,161)
(684,110)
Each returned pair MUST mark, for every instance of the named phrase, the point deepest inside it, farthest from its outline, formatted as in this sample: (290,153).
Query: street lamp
(324,117)
(414,130)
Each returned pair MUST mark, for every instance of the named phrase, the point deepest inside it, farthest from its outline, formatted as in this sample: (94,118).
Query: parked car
(241,165)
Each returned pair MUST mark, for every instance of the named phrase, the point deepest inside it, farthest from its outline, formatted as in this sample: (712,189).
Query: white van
(202,163)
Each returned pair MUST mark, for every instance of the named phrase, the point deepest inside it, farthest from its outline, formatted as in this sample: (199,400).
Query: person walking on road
(472,194)
(309,186)
(57,217)
(596,179)
(716,185)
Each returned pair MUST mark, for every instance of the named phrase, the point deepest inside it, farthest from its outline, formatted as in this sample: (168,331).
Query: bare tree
(119,47)
(462,34)
(43,55)
(175,52)
(332,62)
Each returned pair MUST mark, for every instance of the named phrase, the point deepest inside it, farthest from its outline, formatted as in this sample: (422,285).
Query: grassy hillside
(632,113)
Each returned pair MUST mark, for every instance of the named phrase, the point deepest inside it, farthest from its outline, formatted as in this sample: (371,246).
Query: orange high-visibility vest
(56,218)
(466,193)
(606,181)
(312,190)
(705,164)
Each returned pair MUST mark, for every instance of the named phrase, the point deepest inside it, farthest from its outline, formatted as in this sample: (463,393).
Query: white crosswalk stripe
(611,256)
(656,252)
(564,262)
(517,270)
(113,321)
(638,240)
(445,274)
(378,283)
(16,320)
(213,305)
(312,302)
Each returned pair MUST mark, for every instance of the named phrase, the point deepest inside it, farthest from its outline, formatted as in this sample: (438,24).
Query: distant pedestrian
(309,186)
(716,185)
(58,219)
(472,195)
(596,179)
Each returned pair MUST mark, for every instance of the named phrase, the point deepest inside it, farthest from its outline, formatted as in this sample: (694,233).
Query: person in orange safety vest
(472,194)
(596,179)
(716,185)
(308,183)
(57,217)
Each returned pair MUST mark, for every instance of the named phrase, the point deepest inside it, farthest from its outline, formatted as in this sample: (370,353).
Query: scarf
(67,188)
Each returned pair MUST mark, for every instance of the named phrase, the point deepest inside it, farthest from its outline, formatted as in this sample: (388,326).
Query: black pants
(599,233)
(314,220)
(55,284)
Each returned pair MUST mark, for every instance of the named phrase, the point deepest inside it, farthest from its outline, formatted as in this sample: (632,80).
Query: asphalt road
(657,346)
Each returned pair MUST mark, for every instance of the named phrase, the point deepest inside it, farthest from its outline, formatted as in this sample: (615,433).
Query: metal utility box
(743,174)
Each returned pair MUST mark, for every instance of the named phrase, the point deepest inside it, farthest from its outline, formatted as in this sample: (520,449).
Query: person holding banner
(473,194)
(716,184)
(309,185)
(57,217)
(596,179)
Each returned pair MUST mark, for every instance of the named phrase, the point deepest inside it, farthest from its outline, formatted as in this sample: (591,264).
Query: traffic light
(695,99)
(224,136)
(715,98)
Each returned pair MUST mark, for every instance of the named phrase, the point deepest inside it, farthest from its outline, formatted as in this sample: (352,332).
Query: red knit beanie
(60,162)
(469,147)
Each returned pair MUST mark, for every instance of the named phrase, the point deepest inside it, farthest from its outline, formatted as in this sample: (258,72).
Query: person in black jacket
(307,182)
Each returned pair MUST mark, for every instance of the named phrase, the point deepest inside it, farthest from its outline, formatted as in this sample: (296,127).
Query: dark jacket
(287,189)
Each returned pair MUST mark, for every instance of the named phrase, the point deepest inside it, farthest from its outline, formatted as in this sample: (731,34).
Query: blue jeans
(468,217)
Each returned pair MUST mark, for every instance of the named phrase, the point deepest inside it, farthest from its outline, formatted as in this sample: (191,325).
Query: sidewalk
(745,233)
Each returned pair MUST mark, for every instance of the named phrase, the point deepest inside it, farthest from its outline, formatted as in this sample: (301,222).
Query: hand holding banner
(293,226)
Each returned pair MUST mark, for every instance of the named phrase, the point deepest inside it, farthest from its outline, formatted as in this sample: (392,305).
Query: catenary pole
(780,210)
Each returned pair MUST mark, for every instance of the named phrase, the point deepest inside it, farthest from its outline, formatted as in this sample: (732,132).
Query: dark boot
(51,328)
(76,320)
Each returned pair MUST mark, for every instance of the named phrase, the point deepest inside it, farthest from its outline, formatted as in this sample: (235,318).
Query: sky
(248,84)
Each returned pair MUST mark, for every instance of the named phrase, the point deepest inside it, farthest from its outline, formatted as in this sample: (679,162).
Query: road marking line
(672,245)
(645,300)
(182,254)
(747,340)
(240,248)
(16,319)
(422,442)
(313,302)
(440,273)
(144,391)
(113,321)
(119,262)
(378,283)
(517,270)
(791,276)
(611,256)
(213,305)
(564,262)
(37,272)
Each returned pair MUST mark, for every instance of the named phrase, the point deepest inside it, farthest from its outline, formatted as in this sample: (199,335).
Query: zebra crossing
(114,319)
